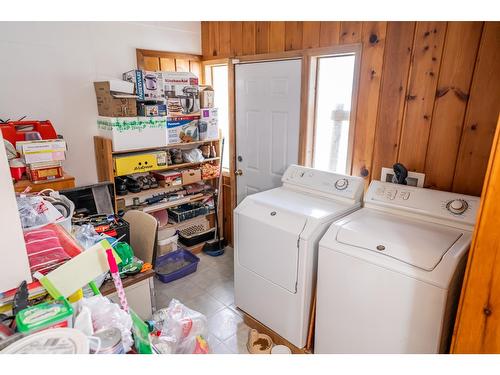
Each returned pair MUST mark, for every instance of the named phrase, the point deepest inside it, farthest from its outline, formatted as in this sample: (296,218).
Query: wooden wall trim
(477,331)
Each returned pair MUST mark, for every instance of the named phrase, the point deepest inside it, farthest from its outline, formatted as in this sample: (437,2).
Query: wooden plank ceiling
(429,92)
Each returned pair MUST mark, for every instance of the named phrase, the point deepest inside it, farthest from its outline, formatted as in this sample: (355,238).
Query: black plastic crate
(187,211)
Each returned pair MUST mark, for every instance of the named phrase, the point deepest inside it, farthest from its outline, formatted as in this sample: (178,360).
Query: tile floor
(210,290)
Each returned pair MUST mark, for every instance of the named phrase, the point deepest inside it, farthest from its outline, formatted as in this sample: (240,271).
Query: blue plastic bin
(181,255)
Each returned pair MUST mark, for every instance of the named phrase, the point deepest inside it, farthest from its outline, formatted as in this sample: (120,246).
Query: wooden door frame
(309,59)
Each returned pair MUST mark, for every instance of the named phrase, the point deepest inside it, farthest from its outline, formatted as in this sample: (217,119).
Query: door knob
(238,172)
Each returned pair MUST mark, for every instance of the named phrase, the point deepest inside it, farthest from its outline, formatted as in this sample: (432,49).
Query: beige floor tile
(236,309)
(209,278)
(223,292)
(204,304)
(182,291)
(220,349)
(237,343)
(224,324)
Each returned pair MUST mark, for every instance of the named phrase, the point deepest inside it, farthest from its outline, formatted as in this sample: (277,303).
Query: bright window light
(221,101)
(335,77)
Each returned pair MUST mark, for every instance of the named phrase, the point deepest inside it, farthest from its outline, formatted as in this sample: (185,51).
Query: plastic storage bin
(175,265)
(167,244)
(194,237)
(187,211)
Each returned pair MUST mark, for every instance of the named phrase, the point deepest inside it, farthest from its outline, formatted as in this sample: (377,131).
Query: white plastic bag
(180,327)
(192,156)
(106,314)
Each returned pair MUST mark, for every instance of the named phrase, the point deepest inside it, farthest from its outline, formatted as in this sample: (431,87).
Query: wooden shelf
(104,155)
(183,165)
(158,190)
(164,205)
(174,145)
(67,182)
(175,225)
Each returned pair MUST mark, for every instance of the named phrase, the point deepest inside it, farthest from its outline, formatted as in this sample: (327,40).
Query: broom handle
(219,187)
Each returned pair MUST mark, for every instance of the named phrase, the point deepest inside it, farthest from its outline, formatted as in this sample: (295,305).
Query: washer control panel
(435,203)
(341,184)
(324,182)
(457,206)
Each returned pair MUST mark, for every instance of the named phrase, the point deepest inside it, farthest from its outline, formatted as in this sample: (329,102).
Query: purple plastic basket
(174,256)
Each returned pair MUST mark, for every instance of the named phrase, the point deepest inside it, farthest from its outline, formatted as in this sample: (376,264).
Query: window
(217,77)
(332,117)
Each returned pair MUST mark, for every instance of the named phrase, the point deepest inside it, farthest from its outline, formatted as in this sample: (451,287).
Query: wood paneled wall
(429,92)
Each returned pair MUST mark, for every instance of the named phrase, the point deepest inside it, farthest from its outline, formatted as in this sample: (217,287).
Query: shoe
(120,186)
(152,181)
(143,182)
(132,184)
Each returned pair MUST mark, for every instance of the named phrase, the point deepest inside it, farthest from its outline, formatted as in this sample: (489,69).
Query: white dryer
(276,242)
(390,274)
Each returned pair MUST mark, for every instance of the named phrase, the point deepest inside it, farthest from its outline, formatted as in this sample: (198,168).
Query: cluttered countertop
(74,270)
(91,251)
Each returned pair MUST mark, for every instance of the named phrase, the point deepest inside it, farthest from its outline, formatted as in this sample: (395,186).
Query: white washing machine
(390,274)
(276,242)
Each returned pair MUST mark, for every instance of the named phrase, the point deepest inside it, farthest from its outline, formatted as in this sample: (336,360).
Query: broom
(216,246)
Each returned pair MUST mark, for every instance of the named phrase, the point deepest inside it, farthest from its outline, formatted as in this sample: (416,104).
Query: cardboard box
(181,92)
(131,133)
(41,172)
(42,151)
(169,178)
(190,176)
(182,129)
(209,124)
(140,162)
(207,96)
(144,109)
(148,85)
(113,103)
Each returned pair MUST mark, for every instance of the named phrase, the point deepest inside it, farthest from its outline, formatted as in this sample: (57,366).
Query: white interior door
(267,123)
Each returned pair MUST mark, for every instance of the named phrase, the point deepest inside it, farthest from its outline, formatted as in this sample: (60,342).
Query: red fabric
(69,244)
(45,251)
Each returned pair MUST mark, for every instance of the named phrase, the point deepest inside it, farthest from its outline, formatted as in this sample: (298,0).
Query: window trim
(208,81)
(314,57)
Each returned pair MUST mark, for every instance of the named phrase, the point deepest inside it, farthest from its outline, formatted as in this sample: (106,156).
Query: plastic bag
(192,156)
(86,235)
(36,212)
(182,329)
(106,314)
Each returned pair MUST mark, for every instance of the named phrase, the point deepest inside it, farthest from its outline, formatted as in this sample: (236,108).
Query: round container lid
(110,339)
(51,341)
(280,349)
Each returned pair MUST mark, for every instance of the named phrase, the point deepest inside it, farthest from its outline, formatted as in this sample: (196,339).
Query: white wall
(47,70)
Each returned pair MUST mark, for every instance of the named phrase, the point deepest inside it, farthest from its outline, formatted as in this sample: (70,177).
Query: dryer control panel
(425,202)
(324,183)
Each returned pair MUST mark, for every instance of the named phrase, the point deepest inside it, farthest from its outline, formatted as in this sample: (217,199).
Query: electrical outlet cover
(413,179)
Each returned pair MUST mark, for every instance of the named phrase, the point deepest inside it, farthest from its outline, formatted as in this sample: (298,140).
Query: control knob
(457,206)
(341,184)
